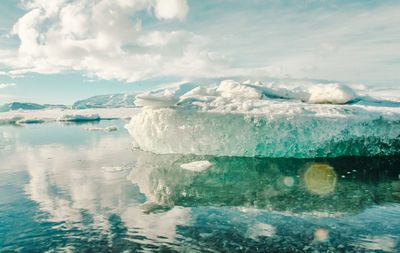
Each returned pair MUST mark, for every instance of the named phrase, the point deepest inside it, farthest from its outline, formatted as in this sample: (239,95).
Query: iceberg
(243,119)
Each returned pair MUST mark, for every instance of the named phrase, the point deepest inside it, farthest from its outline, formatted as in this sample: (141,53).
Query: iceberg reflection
(288,185)
(82,193)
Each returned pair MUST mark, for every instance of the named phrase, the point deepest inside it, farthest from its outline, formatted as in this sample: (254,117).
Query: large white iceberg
(244,119)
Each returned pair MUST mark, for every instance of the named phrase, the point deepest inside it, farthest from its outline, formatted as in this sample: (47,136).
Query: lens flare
(320,178)
(288,181)
(321,234)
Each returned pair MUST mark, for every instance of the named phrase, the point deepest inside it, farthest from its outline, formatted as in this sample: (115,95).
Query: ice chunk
(331,93)
(196,166)
(200,92)
(286,93)
(31,121)
(241,120)
(286,132)
(164,99)
(79,117)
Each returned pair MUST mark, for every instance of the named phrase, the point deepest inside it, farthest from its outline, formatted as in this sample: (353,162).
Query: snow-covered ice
(253,119)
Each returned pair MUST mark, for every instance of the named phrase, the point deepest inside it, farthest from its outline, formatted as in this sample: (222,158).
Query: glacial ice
(243,119)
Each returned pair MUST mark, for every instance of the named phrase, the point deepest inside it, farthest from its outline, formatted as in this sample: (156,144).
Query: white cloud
(349,42)
(104,39)
(5,85)
(169,9)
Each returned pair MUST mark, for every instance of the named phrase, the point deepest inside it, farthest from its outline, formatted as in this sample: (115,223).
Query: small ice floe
(31,121)
(105,129)
(79,117)
(10,121)
(196,166)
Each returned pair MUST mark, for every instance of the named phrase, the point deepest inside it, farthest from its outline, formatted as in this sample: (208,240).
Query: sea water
(65,188)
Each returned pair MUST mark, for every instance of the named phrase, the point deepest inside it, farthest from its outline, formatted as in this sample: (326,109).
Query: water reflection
(82,196)
(290,185)
(91,192)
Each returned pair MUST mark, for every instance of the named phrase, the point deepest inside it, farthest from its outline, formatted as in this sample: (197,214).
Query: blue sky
(60,51)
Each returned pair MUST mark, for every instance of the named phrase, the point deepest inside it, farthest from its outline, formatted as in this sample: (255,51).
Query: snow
(156,100)
(163,96)
(244,119)
(332,93)
(230,89)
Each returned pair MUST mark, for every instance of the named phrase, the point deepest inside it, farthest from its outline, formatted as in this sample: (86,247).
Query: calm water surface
(64,188)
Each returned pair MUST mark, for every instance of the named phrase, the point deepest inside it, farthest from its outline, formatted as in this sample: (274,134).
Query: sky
(60,51)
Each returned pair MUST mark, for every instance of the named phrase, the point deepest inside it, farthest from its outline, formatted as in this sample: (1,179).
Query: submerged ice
(253,119)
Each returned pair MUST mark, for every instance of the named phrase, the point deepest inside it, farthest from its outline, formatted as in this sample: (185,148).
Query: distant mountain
(128,99)
(27,106)
(106,101)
